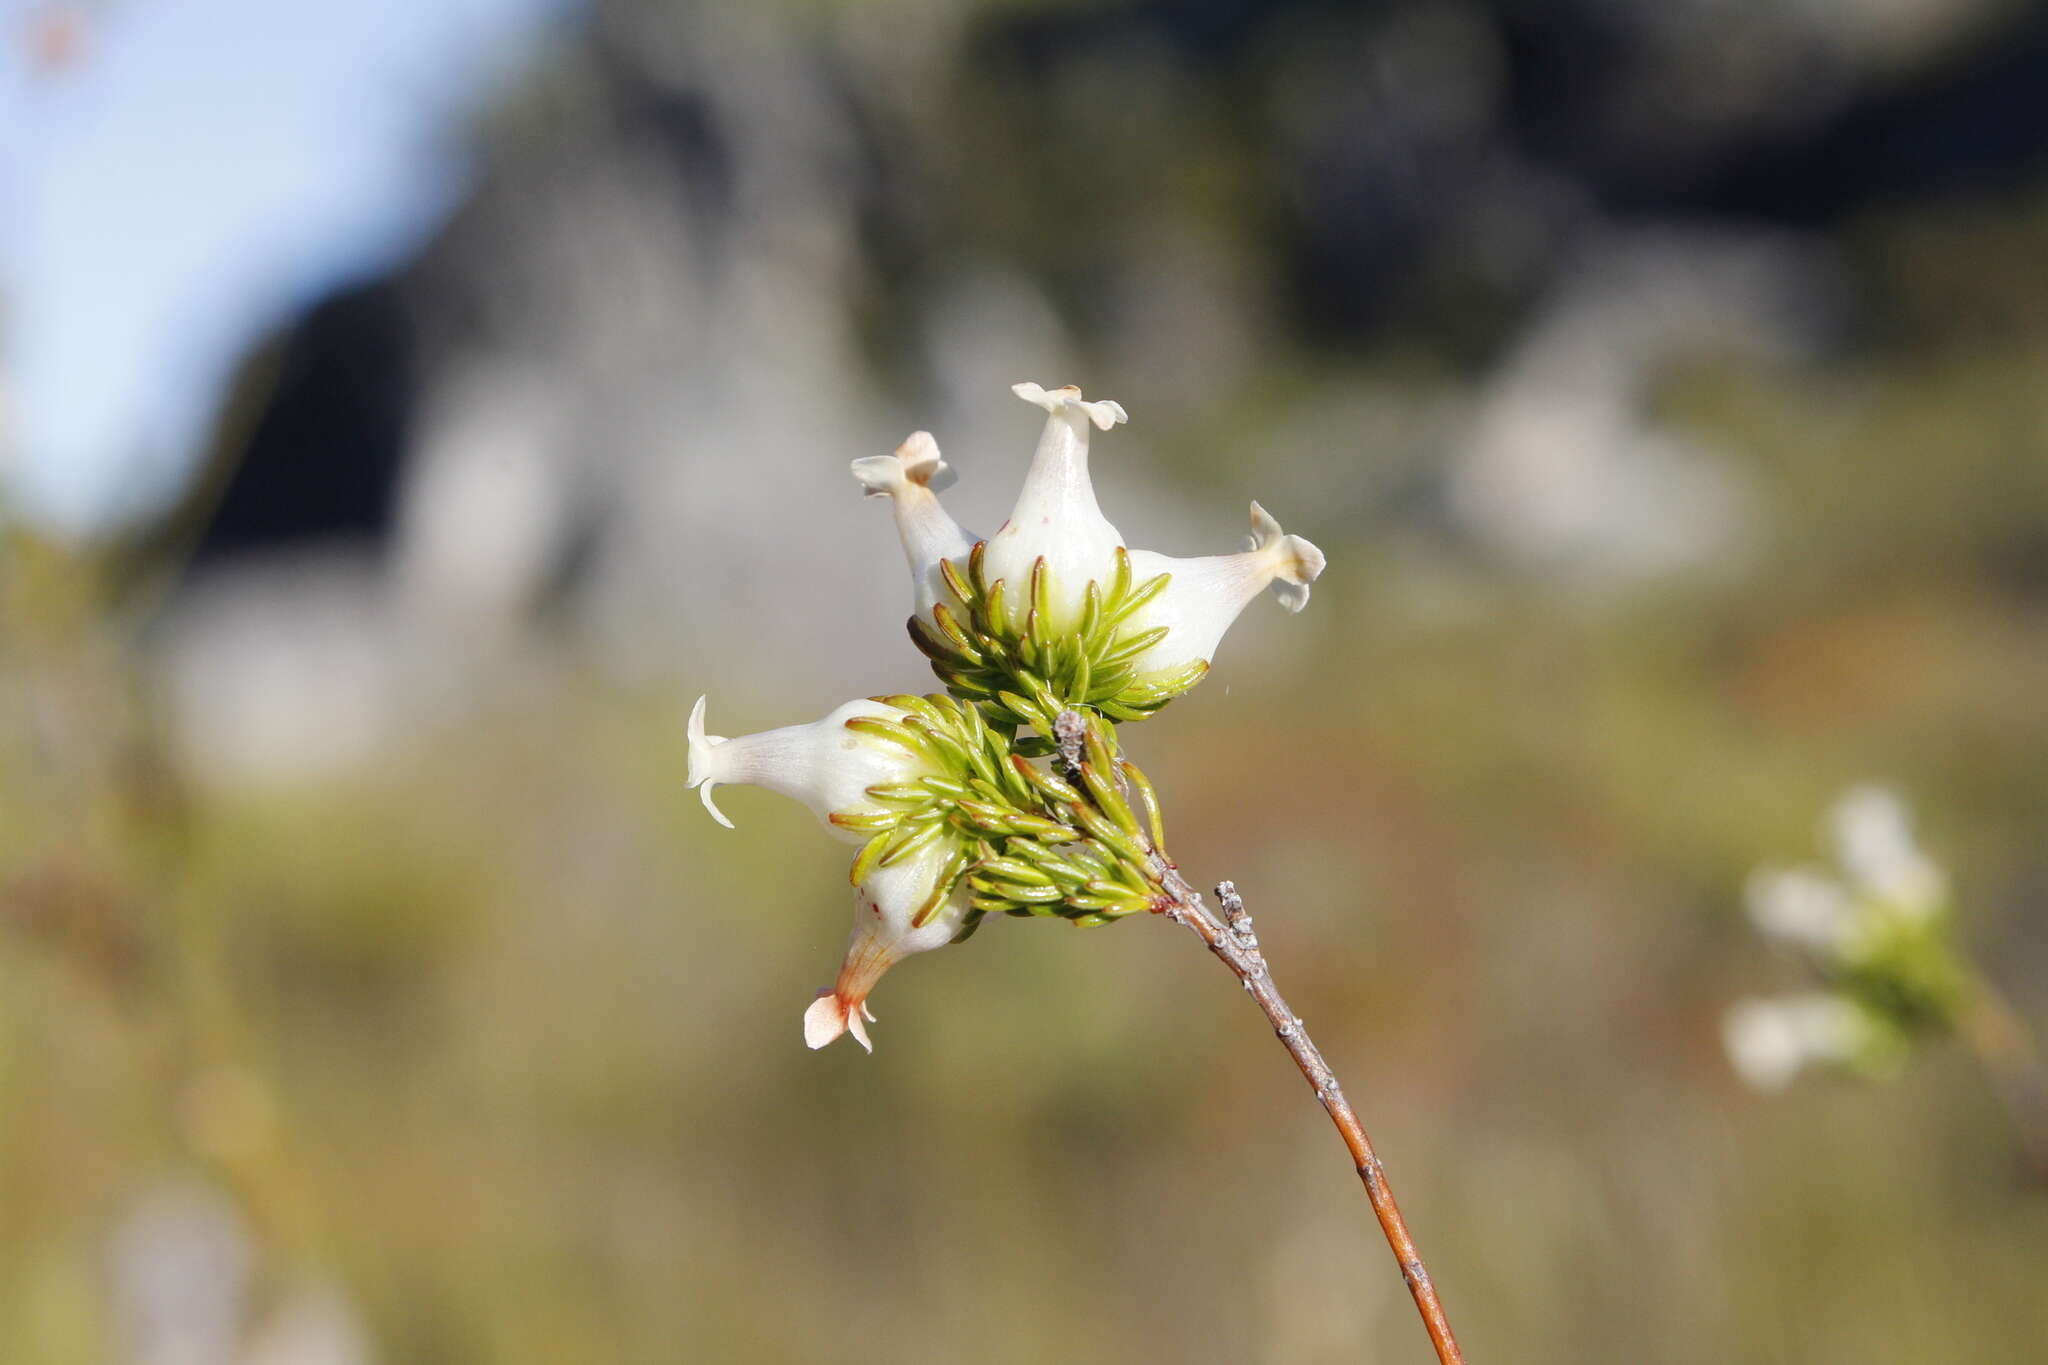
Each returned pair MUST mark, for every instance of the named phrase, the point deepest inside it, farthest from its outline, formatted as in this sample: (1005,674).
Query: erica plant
(1009,792)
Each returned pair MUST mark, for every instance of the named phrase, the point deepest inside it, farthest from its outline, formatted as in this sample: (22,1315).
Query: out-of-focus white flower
(1206,594)
(1771,1041)
(911,479)
(898,910)
(1802,906)
(1874,839)
(824,764)
(1056,517)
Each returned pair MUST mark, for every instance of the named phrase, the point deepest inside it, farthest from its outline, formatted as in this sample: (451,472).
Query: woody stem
(1995,1034)
(1237,947)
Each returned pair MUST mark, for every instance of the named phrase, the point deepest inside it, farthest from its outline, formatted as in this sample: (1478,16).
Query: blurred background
(407,410)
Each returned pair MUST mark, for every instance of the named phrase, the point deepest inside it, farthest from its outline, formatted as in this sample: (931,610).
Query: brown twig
(1995,1034)
(1237,947)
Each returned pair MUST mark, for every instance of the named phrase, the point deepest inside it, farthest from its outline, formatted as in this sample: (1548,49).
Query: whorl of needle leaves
(1028,841)
(1025,667)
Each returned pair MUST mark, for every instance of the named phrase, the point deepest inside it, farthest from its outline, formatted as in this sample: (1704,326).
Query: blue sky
(207,168)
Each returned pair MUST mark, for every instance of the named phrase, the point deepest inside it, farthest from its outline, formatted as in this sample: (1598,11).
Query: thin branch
(1237,947)
(1995,1034)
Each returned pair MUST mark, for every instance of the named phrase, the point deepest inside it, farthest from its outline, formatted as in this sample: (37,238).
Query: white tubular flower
(1056,517)
(911,480)
(898,910)
(1874,839)
(1771,1041)
(1205,595)
(1803,907)
(824,765)
(1055,611)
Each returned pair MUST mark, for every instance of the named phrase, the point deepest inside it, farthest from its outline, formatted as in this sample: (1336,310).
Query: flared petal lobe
(911,480)
(898,911)
(1206,594)
(1056,517)
(823,764)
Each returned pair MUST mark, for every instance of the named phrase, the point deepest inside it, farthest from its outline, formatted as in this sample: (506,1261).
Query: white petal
(1105,414)
(1760,1046)
(1207,593)
(910,479)
(824,765)
(824,1021)
(702,763)
(1056,517)
(1874,838)
(1297,560)
(1802,906)
(1771,1041)
(916,463)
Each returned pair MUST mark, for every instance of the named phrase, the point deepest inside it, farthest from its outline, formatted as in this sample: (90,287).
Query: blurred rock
(185,1265)
(715,253)
(315,1324)
(181,1261)
(1564,466)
